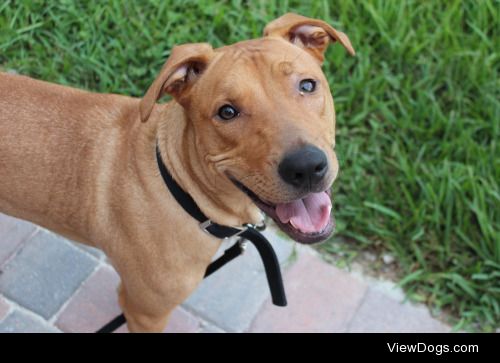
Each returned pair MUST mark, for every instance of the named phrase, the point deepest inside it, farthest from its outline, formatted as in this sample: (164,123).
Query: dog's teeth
(294,226)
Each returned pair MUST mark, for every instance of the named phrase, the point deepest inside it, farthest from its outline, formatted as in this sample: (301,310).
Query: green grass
(418,115)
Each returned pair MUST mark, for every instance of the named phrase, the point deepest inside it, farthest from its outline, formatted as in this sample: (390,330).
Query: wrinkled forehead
(249,67)
(262,57)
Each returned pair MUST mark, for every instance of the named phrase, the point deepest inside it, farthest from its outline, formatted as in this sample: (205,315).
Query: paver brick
(4,307)
(21,322)
(45,273)
(182,321)
(13,232)
(210,329)
(94,305)
(321,298)
(380,313)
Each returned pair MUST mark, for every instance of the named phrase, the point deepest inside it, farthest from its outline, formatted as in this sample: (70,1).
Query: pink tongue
(310,214)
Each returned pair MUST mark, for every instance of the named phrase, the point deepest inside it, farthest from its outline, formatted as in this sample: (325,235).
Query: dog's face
(263,113)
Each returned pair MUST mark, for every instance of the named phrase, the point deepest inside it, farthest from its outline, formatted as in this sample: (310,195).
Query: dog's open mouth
(307,220)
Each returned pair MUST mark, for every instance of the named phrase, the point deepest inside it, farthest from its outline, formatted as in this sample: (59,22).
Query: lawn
(418,116)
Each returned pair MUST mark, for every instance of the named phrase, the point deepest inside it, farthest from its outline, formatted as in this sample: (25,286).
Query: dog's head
(263,112)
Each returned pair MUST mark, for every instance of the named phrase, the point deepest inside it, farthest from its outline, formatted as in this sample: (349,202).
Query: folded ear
(184,66)
(312,35)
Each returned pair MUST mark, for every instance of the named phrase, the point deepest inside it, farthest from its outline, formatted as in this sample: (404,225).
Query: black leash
(113,324)
(247,232)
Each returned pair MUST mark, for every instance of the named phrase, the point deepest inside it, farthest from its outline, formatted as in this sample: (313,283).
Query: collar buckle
(206,224)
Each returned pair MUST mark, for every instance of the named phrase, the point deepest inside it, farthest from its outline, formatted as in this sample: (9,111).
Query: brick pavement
(48,284)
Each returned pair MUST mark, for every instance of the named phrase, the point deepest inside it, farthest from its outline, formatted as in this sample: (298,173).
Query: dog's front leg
(147,304)
(141,316)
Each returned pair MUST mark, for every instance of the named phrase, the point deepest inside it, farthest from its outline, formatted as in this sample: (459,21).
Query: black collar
(190,206)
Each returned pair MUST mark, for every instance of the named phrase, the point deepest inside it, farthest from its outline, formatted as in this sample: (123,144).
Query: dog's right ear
(312,35)
(184,66)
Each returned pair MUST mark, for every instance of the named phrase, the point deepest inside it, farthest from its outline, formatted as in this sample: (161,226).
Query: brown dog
(251,126)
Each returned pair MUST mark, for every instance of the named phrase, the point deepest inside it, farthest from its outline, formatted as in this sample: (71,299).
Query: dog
(250,129)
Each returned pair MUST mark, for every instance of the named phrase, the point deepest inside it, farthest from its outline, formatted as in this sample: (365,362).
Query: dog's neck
(214,193)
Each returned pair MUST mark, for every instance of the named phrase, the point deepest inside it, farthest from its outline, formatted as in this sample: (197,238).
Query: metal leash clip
(243,243)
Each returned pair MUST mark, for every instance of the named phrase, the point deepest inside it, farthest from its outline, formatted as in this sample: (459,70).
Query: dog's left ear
(312,35)
(184,66)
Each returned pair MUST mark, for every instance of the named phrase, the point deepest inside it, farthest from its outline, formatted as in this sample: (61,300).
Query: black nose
(304,168)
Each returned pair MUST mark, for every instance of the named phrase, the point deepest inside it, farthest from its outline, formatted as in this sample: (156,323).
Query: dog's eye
(307,85)
(227,112)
